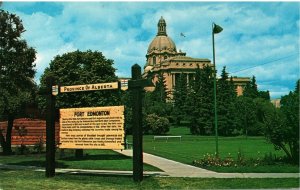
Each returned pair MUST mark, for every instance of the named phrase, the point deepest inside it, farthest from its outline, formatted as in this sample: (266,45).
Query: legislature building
(163,58)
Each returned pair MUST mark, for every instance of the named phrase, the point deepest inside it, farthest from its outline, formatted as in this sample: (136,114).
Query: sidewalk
(81,171)
(177,169)
(170,169)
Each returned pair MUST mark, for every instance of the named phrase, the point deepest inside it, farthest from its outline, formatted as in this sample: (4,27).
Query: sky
(259,39)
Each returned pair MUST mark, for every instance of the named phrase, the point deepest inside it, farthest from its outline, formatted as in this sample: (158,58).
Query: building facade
(163,58)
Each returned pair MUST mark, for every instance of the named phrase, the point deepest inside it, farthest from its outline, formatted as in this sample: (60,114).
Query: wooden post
(136,91)
(50,129)
(79,153)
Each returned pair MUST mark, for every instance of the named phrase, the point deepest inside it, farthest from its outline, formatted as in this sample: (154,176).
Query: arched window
(154,60)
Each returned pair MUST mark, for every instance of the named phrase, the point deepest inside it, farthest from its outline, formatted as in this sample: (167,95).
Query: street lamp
(215,30)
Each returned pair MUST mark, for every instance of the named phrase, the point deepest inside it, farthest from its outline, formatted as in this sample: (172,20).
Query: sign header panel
(92,128)
(89,87)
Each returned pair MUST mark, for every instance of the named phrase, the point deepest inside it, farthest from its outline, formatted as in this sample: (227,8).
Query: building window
(154,60)
(166,57)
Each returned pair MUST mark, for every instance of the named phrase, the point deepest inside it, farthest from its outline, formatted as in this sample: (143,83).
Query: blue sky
(260,39)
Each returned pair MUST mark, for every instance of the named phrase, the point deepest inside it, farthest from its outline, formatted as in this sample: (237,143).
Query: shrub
(209,160)
(39,145)
(157,125)
(212,160)
(23,149)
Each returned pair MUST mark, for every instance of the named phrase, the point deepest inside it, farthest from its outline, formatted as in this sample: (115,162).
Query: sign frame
(53,89)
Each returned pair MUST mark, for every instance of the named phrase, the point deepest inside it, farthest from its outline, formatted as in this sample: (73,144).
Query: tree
(246,114)
(156,101)
(179,98)
(157,125)
(282,125)
(201,102)
(258,128)
(264,94)
(160,91)
(163,109)
(290,109)
(225,104)
(127,102)
(77,68)
(251,89)
(16,72)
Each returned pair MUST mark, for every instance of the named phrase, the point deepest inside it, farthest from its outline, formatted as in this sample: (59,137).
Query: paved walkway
(81,171)
(170,169)
(177,169)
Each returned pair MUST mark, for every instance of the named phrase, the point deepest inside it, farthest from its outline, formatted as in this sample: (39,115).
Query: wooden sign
(92,128)
(89,87)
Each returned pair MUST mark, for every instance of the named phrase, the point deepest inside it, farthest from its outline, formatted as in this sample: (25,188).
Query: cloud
(254,34)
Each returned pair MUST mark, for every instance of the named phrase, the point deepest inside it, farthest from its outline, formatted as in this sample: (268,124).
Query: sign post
(50,129)
(96,127)
(114,140)
(136,87)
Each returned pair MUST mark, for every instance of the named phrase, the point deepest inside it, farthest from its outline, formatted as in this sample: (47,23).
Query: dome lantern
(161,27)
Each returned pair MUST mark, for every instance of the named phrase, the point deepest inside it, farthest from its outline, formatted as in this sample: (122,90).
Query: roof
(161,43)
(187,59)
(240,79)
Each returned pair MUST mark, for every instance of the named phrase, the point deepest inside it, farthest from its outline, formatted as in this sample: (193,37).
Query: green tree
(157,125)
(264,95)
(156,101)
(297,89)
(258,99)
(126,101)
(160,91)
(258,128)
(201,102)
(16,72)
(251,90)
(290,108)
(179,97)
(225,104)
(76,68)
(246,110)
(282,125)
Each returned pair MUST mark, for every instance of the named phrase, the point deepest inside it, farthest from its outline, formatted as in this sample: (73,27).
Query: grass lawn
(95,159)
(31,180)
(193,147)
